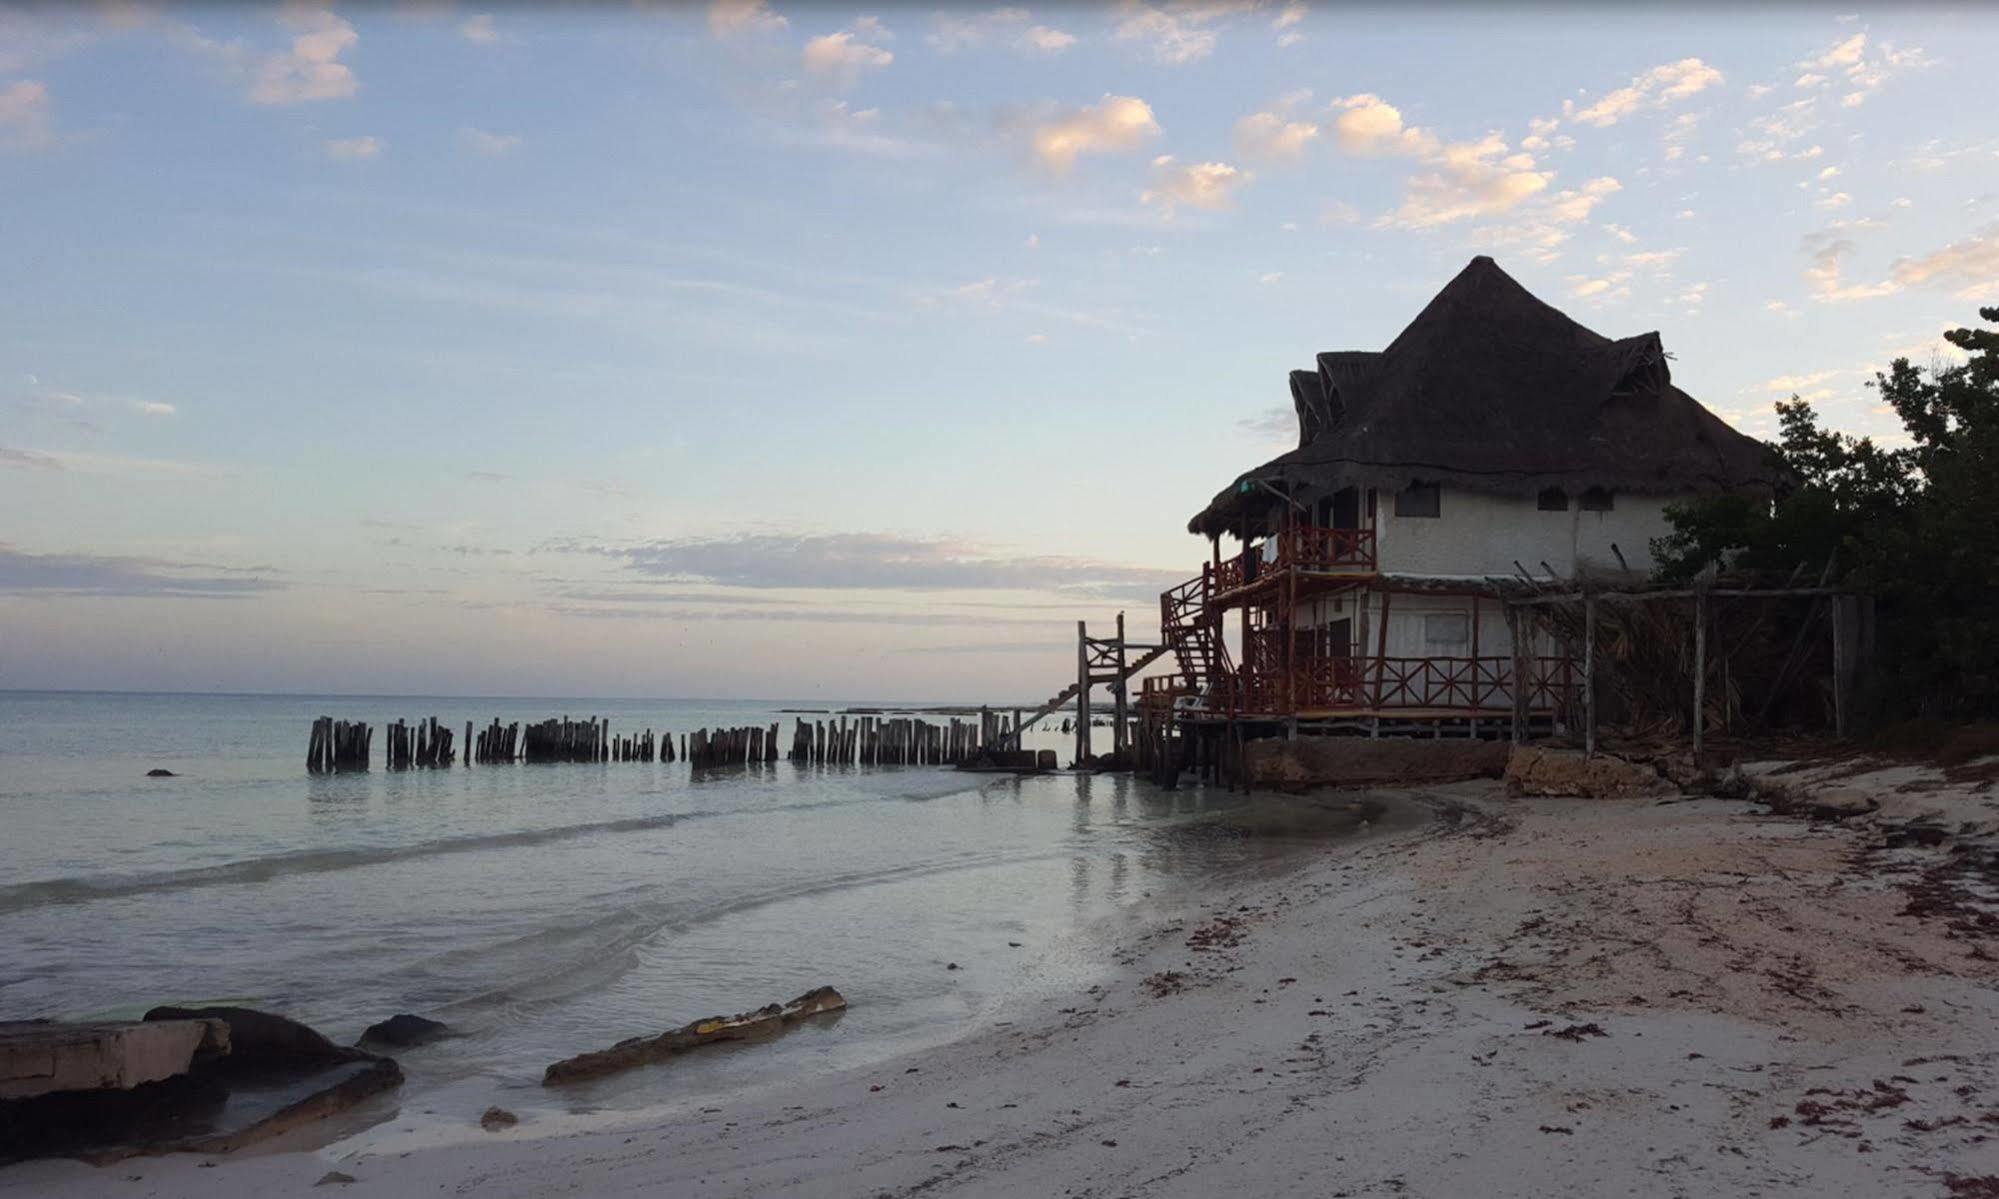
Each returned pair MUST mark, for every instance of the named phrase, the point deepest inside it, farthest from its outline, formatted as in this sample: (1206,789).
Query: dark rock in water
(335,1177)
(640,1051)
(255,1035)
(158,773)
(276,1075)
(403,1030)
(493,1119)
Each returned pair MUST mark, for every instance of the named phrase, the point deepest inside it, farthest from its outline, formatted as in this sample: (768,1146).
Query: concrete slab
(41,1057)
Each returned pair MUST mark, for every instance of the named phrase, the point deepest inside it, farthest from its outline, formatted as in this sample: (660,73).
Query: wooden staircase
(1067,694)
(1194,635)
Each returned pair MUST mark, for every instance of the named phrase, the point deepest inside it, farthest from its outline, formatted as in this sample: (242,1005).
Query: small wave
(309,861)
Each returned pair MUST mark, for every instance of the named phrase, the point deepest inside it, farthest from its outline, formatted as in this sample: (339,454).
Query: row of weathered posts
(337,745)
(428,744)
(732,747)
(898,741)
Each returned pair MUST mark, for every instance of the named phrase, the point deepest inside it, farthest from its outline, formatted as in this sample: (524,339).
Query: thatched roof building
(1491,390)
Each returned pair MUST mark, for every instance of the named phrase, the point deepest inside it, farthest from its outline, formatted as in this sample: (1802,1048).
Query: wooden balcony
(1307,549)
(1442,687)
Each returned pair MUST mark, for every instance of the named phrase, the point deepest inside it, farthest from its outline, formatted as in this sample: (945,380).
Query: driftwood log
(642,1051)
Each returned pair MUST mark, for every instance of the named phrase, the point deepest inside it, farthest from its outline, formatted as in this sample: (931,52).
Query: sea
(546,910)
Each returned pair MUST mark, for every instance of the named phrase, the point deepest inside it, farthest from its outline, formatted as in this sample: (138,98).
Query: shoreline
(1520,997)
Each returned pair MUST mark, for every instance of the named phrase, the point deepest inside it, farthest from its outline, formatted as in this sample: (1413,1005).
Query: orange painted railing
(1302,547)
(1309,547)
(1391,684)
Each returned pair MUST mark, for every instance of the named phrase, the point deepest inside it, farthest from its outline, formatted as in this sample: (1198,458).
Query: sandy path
(1747,1013)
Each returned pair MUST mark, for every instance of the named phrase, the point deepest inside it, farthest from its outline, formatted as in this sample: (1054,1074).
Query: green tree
(1917,526)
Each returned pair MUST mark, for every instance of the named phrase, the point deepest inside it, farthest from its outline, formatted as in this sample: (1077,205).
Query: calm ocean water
(547,910)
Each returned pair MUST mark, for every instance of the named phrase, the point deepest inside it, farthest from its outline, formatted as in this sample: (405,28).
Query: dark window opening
(1596,499)
(1419,499)
(1346,509)
(1554,499)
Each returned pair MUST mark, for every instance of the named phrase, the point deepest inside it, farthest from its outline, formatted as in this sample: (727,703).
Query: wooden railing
(1301,547)
(1403,684)
(1309,547)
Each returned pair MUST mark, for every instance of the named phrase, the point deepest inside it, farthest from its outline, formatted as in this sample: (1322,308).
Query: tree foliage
(1916,525)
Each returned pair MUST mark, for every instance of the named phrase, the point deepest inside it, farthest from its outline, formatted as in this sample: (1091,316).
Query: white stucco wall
(1476,535)
(1406,628)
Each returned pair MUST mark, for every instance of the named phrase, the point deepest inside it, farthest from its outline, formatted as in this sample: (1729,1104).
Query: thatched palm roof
(1493,390)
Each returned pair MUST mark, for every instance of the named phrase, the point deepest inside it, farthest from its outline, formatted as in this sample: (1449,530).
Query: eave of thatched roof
(1493,390)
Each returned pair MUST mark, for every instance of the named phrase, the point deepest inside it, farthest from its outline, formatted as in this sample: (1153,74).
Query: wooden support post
(1589,674)
(1380,657)
(1700,669)
(1839,672)
(1082,696)
(1523,676)
(1120,744)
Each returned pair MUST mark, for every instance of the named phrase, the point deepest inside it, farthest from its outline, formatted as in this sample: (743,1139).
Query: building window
(1446,635)
(1596,499)
(1419,499)
(1554,499)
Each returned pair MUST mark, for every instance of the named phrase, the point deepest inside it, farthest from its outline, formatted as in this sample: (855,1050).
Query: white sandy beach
(1526,997)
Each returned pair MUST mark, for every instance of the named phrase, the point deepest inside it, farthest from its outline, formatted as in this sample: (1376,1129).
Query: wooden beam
(1082,696)
(1589,675)
(1522,678)
(1839,704)
(1700,670)
(1119,698)
(1570,597)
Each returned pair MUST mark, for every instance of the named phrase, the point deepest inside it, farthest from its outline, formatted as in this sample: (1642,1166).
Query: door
(1346,508)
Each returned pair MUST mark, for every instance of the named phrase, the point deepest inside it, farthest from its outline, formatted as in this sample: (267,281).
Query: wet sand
(1489,996)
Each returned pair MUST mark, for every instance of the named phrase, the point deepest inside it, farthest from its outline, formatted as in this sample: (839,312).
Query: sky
(786,351)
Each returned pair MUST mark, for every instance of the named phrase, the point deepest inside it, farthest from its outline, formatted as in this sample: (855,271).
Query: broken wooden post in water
(337,745)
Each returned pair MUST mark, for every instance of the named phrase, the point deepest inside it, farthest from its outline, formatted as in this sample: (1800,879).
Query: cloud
(1043,40)
(154,408)
(833,124)
(1270,277)
(1844,56)
(1662,85)
(870,561)
(24,115)
(480,31)
(1971,265)
(1286,23)
(845,56)
(1468,179)
(487,476)
(1574,206)
(990,292)
(1208,186)
(1006,25)
(1116,124)
(481,142)
(93,575)
(1864,66)
(348,148)
(1269,137)
(726,18)
(1825,273)
(1369,125)
(1785,384)
(1611,286)
(1179,33)
(1274,426)
(311,69)
(1679,133)
(30,459)
(1463,180)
